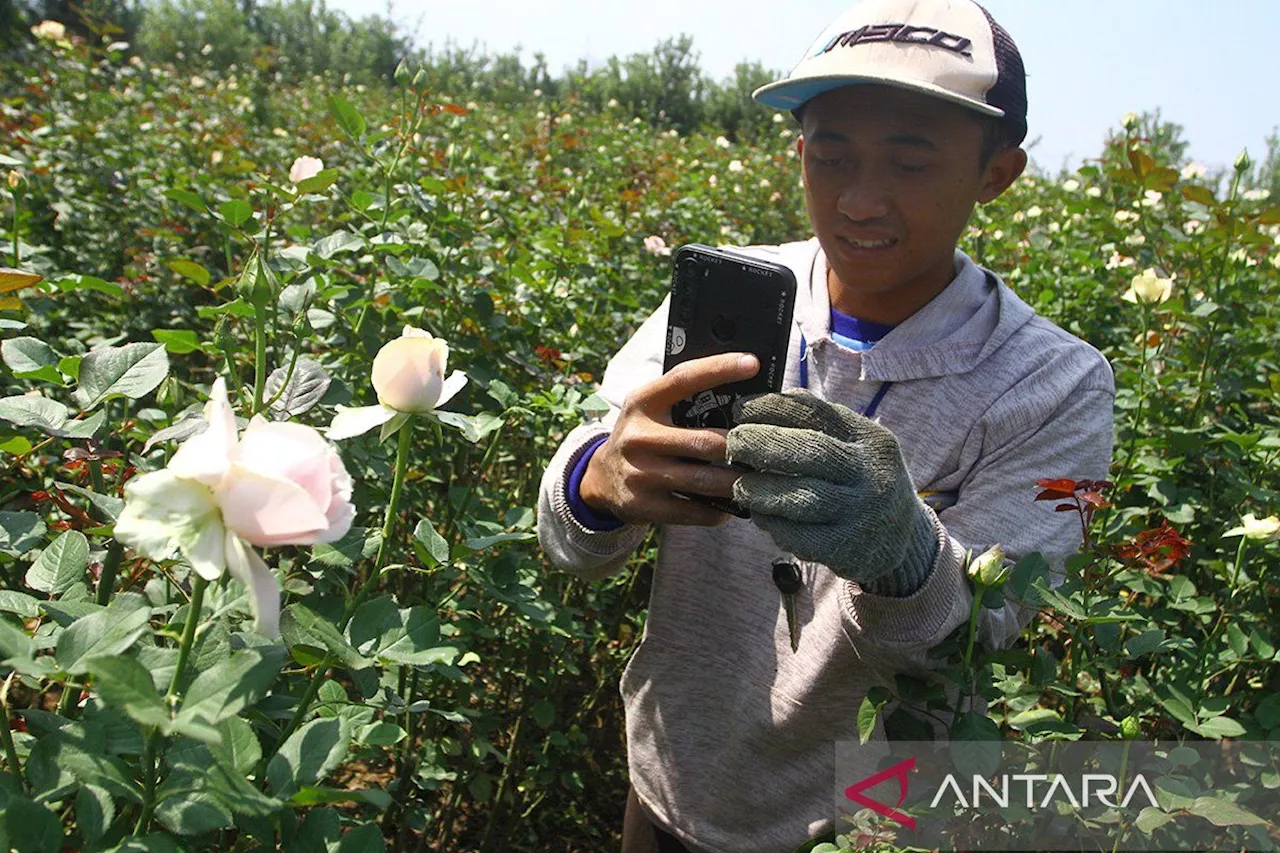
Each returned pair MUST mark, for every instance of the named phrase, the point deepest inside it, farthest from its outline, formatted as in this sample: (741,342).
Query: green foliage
(434,676)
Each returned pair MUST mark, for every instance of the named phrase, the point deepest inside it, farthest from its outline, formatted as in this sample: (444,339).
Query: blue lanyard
(870,411)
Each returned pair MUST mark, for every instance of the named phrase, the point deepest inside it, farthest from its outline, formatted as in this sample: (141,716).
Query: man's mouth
(881,243)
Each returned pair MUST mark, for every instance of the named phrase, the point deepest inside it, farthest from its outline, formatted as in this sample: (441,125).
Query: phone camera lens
(723,328)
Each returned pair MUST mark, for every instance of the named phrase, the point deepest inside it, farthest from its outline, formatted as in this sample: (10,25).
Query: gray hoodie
(730,734)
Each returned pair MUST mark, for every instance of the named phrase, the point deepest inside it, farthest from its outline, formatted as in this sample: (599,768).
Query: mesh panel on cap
(1010,91)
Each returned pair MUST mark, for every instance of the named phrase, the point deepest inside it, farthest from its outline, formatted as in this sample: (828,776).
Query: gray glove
(830,485)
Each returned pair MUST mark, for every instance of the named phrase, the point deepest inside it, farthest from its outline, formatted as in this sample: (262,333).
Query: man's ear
(1005,167)
(800,146)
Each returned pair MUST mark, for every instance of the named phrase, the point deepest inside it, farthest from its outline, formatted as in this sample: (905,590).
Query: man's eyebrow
(830,136)
(912,140)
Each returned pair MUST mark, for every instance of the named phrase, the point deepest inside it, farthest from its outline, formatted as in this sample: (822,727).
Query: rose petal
(288,451)
(264,594)
(348,423)
(451,386)
(267,511)
(206,456)
(164,513)
(341,511)
(408,372)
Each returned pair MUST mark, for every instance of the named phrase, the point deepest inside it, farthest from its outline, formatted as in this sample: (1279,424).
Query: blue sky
(1212,67)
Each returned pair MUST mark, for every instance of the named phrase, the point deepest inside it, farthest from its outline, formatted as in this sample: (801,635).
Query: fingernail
(748,362)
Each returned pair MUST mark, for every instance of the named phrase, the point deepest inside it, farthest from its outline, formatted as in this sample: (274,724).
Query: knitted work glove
(830,485)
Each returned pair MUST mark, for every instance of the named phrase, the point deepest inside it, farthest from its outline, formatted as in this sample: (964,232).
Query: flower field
(283,364)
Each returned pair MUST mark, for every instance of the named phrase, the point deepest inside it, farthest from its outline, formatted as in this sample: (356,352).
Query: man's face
(890,178)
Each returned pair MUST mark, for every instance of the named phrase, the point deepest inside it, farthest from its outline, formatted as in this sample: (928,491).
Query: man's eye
(910,167)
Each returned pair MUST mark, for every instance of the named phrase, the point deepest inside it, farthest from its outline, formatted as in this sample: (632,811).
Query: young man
(911,370)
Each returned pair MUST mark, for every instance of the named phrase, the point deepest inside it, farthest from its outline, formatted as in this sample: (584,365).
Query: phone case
(725,302)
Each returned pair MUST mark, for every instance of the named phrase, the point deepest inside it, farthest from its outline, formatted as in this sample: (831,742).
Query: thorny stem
(1131,446)
(173,697)
(259,355)
(1235,572)
(10,752)
(379,562)
(1217,294)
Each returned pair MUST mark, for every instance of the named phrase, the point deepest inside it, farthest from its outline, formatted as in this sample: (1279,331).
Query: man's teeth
(870,244)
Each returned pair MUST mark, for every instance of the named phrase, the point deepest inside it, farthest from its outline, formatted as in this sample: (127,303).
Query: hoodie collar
(953,333)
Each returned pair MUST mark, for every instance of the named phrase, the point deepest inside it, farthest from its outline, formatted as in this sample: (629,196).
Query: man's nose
(864,195)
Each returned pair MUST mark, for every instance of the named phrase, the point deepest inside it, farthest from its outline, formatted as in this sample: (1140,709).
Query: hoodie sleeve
(1027,436)
(594,554)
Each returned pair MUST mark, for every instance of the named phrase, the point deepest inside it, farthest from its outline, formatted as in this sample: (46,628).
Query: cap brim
(789,94)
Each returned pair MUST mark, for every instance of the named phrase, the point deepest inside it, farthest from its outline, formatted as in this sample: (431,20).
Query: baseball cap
(951,49)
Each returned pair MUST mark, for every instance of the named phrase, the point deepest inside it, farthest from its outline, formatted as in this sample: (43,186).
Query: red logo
(899,770)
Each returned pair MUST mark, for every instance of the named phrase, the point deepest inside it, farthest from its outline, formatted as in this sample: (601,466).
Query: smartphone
(725,302)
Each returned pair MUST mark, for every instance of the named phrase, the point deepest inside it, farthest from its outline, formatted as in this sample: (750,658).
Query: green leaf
(178,341)
(1150,819)
(188,199)
(480,543)
(60,566)
(366,838)
(133,370)
(14,643)
(31,827)
(1220,812)
(36,411)
(108,632)
(360,543)
(544,713)
(306,387)
(868,713)
(1145,643)
(301,625)
(227,688)
(85,428)
(107,506)
(147,844)
(975,744)
(383,734)
(1176,703)
(1268,711)
(1217,727)
(191,270)
(309,755)
(319,182)
(239,749)
(236,212)
(347,117)
(125,684)
(95,809)
(433,544)
(20,532)
(72,283)
(27,355)
(20,603)
(192,812)
(337,243)
(474,429)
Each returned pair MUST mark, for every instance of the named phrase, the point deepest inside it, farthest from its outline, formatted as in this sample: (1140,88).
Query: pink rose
(305,167)
(277,484)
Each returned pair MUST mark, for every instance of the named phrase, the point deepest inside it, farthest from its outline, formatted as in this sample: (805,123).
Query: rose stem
(173,696)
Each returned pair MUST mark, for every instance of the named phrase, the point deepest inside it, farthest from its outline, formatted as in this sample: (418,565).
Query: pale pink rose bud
(408,373)
(655,245)
(305,167)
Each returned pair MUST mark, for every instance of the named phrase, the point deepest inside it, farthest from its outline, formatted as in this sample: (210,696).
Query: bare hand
(633,474)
